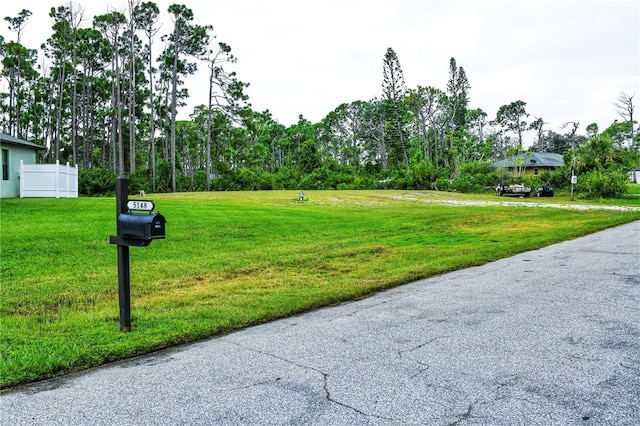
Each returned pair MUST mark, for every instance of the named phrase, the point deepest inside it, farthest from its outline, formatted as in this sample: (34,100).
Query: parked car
(544,191)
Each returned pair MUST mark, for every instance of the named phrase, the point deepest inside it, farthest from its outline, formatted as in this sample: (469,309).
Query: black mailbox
(139,226)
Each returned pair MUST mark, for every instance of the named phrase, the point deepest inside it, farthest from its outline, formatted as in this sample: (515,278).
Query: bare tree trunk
(48,113)
(210,106)
(132,87)
(61,75)
(152,143)
(121,163)
(75,19)
(114,122)
(174,88)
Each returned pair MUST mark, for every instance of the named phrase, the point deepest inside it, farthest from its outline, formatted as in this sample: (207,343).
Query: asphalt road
(547,337)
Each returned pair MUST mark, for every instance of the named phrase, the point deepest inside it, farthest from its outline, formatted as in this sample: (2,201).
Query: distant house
(531,163)
(14,150)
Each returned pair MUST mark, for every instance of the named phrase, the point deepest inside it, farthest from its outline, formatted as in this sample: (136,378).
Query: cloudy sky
(569,60)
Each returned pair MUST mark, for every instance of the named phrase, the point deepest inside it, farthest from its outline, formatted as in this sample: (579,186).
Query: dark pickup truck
(544,191)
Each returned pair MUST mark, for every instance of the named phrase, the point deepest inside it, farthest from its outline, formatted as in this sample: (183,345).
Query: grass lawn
(233,259)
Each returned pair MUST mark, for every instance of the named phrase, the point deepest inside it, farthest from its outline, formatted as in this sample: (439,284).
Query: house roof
(10,140)
(534,159)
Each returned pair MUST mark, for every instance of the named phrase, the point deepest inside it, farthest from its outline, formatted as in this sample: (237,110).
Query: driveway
(547,337)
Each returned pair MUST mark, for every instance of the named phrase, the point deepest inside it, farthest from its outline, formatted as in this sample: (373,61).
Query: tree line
(106,97)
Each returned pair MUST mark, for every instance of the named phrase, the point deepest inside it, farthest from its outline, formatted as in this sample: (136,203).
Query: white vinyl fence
(48,180)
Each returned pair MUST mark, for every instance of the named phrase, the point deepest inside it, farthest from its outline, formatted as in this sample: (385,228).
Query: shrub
(140,181)
(200,181)
(163,176)
(400,179)
(442,184)
(96,182)
(462,184)
(602,184)
(223,183)
(424,173)
(559,178)
(477,168)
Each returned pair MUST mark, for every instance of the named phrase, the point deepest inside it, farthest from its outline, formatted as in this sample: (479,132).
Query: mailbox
(139,226)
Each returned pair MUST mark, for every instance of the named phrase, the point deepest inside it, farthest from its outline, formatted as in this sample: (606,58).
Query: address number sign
(140,205)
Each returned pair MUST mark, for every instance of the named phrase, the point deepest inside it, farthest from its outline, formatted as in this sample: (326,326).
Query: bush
(96,182)
(363,181)
(443,184)
(140,181)
(400,179)
(558,179)
(223,183)
(163,176)
(330,176)
(462,184)
(246,178)
(602,184)
(285,178)
(477,168)
(423,173)
(473,176)
(473,183)
(200,181)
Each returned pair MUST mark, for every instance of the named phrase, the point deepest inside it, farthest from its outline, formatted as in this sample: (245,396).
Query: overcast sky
(569,60)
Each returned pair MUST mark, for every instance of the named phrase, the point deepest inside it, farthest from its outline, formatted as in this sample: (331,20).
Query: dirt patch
(443,200)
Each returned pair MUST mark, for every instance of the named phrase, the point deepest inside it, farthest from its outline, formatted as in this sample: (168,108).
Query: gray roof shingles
(535,159)
(10,140)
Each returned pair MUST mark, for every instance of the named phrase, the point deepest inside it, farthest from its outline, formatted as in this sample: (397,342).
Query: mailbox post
(133,229)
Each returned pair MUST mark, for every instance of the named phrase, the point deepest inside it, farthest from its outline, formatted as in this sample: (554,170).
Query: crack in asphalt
(498,395)
(583,358)
(463,416)
(366,308)
(334,401)
(421,371)
(597,251)
(252,385)
(415,348)
(325,378)
(571,303)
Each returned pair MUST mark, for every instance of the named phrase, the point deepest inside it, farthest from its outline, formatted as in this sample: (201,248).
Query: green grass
(235,259)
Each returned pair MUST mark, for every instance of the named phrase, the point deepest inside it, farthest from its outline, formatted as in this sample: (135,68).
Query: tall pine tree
(186,40)
(393,94)
(458,95)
